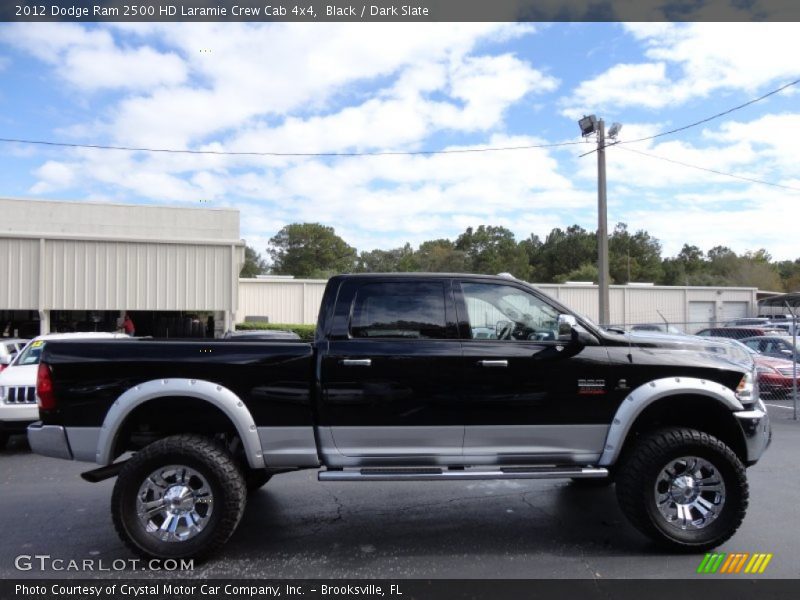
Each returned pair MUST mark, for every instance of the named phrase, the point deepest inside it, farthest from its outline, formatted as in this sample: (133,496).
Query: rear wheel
(683,488)
(179,497)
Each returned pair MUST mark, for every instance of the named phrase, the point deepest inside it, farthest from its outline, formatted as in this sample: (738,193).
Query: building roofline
(120,204)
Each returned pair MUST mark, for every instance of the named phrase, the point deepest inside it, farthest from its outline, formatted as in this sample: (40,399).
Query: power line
(289,154)
(716,116)
(677,162)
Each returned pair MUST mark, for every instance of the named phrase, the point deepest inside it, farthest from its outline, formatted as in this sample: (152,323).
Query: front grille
(21,395)
(787,371)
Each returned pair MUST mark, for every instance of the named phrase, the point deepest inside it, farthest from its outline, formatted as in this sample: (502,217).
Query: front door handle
(356,362)
(493,363)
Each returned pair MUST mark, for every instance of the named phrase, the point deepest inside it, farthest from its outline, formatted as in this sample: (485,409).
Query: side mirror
(566,323)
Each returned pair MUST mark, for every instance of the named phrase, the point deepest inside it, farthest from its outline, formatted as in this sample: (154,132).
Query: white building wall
(19,274)
(294,301)
(92,275)
(87,256)
(298,301)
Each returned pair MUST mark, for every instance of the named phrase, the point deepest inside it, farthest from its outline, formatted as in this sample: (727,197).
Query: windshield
(30,355)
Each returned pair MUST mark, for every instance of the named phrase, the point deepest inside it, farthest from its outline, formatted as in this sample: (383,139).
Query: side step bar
(443,474)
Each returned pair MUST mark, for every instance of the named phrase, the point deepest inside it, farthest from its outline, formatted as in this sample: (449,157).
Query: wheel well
(697,412)
(164,416)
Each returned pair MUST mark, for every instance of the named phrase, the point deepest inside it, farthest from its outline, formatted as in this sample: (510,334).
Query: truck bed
(273,378)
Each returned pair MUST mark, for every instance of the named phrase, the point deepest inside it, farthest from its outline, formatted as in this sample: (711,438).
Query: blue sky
(372,87)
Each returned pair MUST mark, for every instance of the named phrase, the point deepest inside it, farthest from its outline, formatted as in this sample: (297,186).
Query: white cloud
(53,175)
(692,61)
(91,60)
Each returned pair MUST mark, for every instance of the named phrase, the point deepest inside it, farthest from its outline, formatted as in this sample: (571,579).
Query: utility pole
(589,125)
(602,224)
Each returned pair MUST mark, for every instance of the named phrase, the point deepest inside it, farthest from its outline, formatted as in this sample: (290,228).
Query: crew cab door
(390,372)
(528,396)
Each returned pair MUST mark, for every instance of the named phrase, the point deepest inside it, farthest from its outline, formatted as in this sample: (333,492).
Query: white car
(18,406)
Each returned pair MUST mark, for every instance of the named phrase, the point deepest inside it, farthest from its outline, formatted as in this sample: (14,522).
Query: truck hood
(708,350)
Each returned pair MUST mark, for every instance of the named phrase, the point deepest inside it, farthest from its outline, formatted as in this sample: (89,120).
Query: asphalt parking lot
(298,528)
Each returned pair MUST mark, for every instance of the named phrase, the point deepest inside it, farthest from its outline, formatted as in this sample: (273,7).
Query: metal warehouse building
(77,266)
(284,300)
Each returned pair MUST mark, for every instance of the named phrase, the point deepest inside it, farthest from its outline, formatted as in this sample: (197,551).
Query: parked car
(777,346)
(18,383)
(261,334)
(656,327)
(737,333)
(748,321)
(774,374)
(785,327)
(396,387)
(9,347)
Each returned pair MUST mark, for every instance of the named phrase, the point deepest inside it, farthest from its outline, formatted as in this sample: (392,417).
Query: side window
(504,312)
(399,310)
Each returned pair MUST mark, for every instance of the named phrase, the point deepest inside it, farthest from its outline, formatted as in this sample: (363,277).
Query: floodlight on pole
(588,125)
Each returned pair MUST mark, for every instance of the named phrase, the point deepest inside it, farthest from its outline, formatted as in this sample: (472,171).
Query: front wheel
(683,488)
(180,497)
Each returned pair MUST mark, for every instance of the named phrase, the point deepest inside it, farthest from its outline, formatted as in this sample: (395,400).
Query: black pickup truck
(410,377)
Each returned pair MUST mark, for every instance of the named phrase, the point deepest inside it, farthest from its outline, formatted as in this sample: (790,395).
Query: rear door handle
(493,363)
(356,362)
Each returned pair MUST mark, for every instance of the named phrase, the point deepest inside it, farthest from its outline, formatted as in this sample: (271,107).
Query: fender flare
(650,392)
(206,391)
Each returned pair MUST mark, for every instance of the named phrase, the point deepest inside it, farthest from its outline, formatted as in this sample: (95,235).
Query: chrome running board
(444,474)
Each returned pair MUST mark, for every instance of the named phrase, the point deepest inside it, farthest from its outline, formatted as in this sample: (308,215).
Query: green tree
(254,264)
(398,260)
(634,257)
(310,250)
(587,272)
(440,256)
(563,252)
(491,249)
(789,271)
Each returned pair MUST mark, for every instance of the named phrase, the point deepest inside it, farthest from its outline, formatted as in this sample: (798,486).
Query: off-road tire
(203,455)
(642,464)
(255,479)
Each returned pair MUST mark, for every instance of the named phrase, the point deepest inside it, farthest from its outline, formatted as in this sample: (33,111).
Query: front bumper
(756,429)
(49,440)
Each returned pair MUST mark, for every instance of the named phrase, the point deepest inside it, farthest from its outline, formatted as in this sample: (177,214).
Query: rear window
(399,310)
(31,354)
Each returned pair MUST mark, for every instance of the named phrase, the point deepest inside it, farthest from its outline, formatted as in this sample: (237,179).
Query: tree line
(312,250)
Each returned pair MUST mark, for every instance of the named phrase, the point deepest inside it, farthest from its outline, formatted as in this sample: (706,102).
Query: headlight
(747,390)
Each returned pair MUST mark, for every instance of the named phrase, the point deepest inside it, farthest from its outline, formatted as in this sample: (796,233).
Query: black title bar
(399,11)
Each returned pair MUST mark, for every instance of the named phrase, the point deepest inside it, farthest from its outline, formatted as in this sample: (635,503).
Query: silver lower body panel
(436,474)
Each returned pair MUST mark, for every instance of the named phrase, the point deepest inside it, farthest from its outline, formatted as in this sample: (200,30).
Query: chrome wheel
(689,493)
(174,503)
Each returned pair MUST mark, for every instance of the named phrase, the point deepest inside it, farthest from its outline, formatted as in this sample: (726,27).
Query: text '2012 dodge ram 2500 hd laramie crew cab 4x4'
(410,377)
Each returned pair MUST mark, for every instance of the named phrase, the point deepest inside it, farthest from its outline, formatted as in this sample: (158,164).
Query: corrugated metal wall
(294,301)
(19,274)
(297,301)
(118,275)
(137,276)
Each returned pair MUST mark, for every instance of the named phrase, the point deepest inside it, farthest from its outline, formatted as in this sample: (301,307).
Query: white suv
(18,406)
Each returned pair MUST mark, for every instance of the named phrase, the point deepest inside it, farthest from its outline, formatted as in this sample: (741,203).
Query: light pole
(590,124)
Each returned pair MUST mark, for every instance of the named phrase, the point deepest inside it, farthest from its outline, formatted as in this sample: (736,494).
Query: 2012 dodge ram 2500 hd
(410,377)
